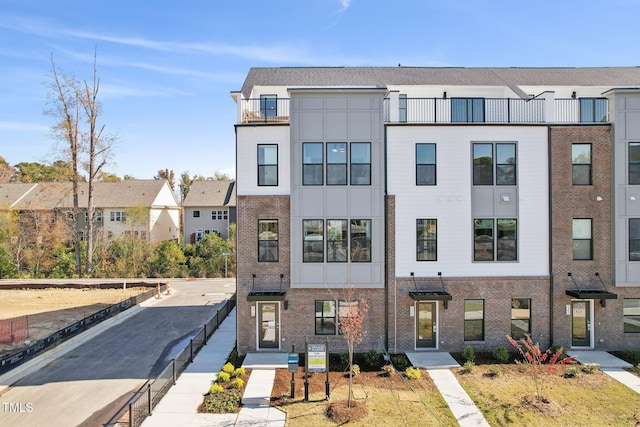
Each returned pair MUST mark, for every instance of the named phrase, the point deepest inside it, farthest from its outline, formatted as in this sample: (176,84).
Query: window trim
(427,241)
(575,240)
(322,317)
(495,240)
(344,241)
(321,163)
(434,164)
(633,165)
(635,239)
(352,163)
(195,213)
(345,164)
(305,240)
(588,166)
(268,166)
(352,251)
(635,317)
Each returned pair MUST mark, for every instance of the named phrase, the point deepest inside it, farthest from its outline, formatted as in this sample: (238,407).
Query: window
(634,239)
(312,163)
(473,320)
(196,214)
(634,163)
(467,110)
(219,215)
(313,240)
(118,216)
(360,163)
(427,239)
(336,163)
(325,317)
(593,110)
(631,315)
(582,241)
(483,160)
(268,240)
(81,236)
(520,317)
(267,165)
(268,105)
(486,241)
(346,309)
(337,240)
(402,107)
(97,216)
(360,240)
(581,164)
(425,164)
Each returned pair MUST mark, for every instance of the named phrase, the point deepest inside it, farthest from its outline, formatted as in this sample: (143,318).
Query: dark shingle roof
(211,193)
(384,76)
(11,193)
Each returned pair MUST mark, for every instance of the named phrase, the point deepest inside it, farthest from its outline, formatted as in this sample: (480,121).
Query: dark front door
(581,323)
(268,325)
(426,324)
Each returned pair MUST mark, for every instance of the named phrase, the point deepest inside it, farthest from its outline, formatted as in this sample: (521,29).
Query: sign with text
(292,360)
(316,357)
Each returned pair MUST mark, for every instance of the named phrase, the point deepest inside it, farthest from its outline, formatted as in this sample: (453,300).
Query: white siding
(450,200)
(248,138)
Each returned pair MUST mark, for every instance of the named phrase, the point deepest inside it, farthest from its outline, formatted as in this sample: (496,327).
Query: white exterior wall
(164,224)
(204,222)
(450,200)
(248,138)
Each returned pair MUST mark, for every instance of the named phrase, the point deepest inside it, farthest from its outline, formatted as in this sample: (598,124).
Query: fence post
(173,368)
(130,414)
(149,397)
(205,334)
(191,350)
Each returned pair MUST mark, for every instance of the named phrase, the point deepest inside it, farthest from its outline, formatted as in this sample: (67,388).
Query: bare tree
(87,147)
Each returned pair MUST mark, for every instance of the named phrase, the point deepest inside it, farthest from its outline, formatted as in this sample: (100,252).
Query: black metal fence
(141,404)
(19,357)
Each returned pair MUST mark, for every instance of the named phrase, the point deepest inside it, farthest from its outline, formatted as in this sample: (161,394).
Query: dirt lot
(54,308)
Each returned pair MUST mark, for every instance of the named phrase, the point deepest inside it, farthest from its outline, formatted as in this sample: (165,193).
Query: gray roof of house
(451,76)
(122,194)
(211,193)
(11,193)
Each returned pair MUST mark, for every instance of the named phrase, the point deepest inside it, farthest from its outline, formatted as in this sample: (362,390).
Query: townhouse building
(209,207)
(464,204)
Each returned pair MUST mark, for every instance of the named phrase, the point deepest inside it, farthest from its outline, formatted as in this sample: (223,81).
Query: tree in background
(58,171)
(7,172)
(169,175)
(168,260)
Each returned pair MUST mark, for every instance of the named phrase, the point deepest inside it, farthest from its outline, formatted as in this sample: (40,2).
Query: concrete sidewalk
(610,365)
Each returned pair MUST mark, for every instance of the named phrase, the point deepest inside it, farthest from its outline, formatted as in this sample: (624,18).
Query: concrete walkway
(610,365)
(438,366)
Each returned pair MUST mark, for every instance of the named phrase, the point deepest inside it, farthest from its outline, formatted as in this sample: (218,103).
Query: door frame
(436,320)
(258,326)
(590,326)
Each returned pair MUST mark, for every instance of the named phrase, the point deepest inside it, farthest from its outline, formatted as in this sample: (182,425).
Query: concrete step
(258,389)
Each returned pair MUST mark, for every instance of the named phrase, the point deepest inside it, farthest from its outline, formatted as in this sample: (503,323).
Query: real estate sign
(316,357)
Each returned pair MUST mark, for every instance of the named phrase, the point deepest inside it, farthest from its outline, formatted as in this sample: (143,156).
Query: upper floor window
(581,164)
(269,105)
(360,163)
(634,163)
(427,240)
(267,164)
(634,239)
(467,110)
(196,214)
(97,216)
(337,163)
(268,240)
(402,107)
(499,158)
(219,215)
(425,164)
(582,239)
(593,110)
(313,240)
(118,216)
(337,240)
(360,240)
(312,163)
(490,245)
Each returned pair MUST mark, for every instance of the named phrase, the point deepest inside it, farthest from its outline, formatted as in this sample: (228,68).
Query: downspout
(551,275)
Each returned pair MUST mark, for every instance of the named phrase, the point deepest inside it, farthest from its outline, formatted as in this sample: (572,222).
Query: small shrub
(572,372)
(228,368)
(468,367)
(412,373)
(372,358)
(223,377)
(400,362)
(494,371)
(590,368)
(501,354)
(637,368)
(238,372)
(216,388)
(388,370)
(237,383)
(222,403)
(469,354)
(355,370)
(554,349)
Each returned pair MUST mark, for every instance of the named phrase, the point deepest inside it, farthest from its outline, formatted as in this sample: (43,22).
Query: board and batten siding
(450,200)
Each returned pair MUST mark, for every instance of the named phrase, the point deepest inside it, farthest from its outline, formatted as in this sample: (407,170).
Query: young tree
(169,175)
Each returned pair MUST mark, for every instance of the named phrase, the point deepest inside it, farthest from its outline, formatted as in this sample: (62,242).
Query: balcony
(453,110)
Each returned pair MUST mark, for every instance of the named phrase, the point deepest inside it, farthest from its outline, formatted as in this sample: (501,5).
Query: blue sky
(167,68)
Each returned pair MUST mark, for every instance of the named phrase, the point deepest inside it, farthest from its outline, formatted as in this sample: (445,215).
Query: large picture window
(268,240)
(336,163)
(520,317)
(337,240)
(360,163)
(499,156)
(581,164)
(634,163)
(267,165)
(582,239)
(360,240)
(312,163)
(425,164)
(631,314)
(473,320)
(427,240)
(313,240)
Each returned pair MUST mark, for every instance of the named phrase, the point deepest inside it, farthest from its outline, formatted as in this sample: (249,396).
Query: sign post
(226,255)
(293,360)
(316,361)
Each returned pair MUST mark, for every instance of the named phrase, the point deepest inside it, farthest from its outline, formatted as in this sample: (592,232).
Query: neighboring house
(210,207)
(141,208)
(465,204)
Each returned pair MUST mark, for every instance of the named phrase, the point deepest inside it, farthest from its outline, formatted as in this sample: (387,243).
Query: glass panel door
(268,325)
(426,325)
(581,323)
